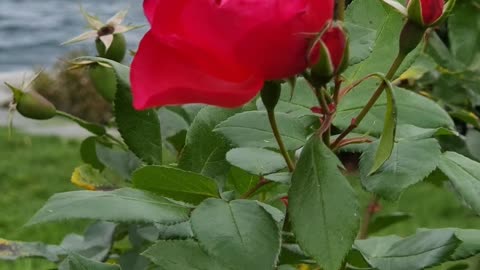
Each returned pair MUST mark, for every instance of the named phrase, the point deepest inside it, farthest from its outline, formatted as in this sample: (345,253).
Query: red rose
(425,12)
(220,52)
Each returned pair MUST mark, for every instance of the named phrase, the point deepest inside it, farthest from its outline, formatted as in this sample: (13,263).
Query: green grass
(33,168)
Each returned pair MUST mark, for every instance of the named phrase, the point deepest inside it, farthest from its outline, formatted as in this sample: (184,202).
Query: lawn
(33,168)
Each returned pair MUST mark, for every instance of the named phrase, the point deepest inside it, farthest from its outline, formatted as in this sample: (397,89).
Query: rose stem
(278,138)
(356,121)
(367,218)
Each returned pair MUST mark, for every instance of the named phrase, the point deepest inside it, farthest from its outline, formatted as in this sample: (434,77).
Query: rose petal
(336,42)
(431,10)
(165,75)
(149,7)
(269,36)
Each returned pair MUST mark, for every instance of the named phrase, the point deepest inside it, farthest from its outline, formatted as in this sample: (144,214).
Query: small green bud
(329,55)
(34,106)
(117,49)
(271,94)
(104,80)
(411,35)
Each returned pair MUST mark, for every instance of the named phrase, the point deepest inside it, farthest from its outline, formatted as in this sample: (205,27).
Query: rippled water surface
(31,30)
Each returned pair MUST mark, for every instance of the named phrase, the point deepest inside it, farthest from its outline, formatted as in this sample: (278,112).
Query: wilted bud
(117,48)
(32,105)
(425,12)
(109,38)
(329,54)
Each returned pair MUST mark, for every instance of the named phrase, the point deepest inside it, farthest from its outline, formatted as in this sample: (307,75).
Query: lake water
(31,31)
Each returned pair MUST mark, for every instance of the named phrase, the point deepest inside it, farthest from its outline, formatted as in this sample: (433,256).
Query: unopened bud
(271,94)
(34,106)
(410,37)
(329,55)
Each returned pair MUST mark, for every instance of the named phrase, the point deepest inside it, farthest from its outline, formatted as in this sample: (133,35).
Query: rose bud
(32,105)
(221,52)
(425,12)
(329,54)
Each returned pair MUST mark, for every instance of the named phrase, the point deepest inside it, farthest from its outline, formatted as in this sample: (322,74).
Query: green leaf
(87,177)
(205,150)
(470,242)
(78,262)
(293,254)
(181,230)
(464,175)
(387,23)
(470,245)
(139,129)
(252,129)
(459,266)
(122,71)
(256,161)
(172,123)
(412,109)
(89,154)
(361,41)
(122,205)
(411,161)
(122,162)
(241,181)
(381,222)
(419,251)
(281,177)
(132,260)
(415,133)
(387,140)
(96,242)
(464,32)
(325,223)
(181,254)
(175,183)
(240,233)
(14,250)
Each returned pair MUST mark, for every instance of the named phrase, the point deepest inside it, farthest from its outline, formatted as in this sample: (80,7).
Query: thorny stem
(372,209)
(114,139)
(356,121)
(278,138)
(336,92)
(322,100)
(78,120)
(346,142)
(252,191)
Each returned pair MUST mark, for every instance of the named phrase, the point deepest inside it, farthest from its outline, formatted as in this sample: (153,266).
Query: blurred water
(31,30)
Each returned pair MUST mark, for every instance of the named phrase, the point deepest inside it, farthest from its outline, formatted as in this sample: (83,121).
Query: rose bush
(262,186)
(221,52)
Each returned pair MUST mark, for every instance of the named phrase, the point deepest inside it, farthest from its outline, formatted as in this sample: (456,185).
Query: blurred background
(38,157)
(31,31)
